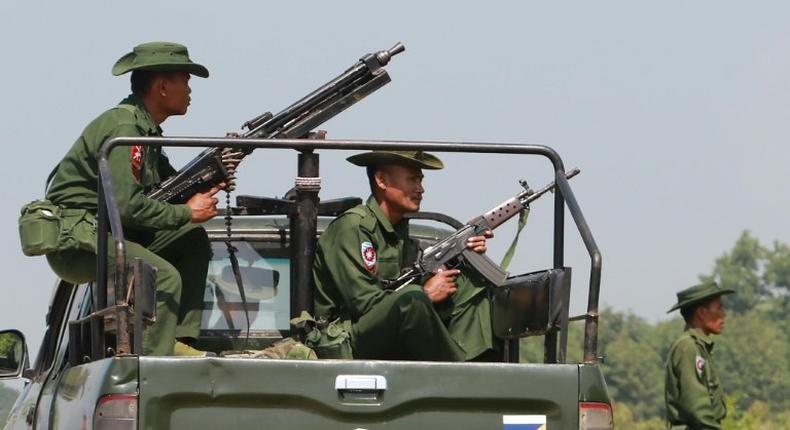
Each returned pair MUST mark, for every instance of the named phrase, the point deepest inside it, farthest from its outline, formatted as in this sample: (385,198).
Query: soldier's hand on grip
(204,205)
(441,285)
(478,243)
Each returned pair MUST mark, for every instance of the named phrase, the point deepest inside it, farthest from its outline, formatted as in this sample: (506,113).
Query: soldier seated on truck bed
(447,318)
(167,236)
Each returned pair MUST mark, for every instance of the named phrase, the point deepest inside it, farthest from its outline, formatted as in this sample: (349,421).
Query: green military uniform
(693,393)
(159,233)
(361,248)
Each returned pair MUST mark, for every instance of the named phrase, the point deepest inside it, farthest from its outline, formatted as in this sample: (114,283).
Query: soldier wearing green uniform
(694,397)
(168,236)
(447,318)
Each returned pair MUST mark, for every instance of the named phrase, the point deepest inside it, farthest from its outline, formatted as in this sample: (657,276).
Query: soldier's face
(175,92)
(712,316)
(402,187)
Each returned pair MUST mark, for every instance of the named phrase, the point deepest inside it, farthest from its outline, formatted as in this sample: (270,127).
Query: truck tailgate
(227,393)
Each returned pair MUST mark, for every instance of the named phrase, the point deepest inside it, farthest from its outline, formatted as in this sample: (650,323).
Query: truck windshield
(265,271)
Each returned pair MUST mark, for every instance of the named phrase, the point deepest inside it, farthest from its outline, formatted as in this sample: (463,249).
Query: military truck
(90,373)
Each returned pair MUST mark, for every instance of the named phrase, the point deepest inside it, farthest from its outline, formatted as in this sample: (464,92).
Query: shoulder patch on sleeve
(699,364)
(138,152)
(368,256)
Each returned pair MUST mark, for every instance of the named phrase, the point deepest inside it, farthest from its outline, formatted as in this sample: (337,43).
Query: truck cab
(90,373)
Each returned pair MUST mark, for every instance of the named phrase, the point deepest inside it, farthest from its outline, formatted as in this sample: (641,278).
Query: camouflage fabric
(286,349)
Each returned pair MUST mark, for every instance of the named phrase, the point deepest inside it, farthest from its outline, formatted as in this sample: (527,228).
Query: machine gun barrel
(294,122)
(366,67)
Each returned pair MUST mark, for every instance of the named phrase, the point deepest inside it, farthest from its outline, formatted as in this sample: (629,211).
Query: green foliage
(624,419)
(7,341)
(758,416)
(777,267)
(754,353)
(634,354)
(740,269)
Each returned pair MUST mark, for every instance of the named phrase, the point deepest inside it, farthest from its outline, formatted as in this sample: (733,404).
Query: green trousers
(181,259)
(407,326)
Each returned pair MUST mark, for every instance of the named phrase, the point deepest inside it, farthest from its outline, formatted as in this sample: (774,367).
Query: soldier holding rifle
(447,318)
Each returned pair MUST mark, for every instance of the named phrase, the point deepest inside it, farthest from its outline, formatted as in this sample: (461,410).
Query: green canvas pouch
(77,230)
(39,227)
(45,227)
(327,339)
(331,340)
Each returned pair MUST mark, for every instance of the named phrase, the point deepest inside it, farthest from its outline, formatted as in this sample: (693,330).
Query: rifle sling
(522,222)
(234,263)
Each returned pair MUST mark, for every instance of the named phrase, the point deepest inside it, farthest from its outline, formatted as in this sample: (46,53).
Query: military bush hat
(698,294)
(419,159)
(159,57)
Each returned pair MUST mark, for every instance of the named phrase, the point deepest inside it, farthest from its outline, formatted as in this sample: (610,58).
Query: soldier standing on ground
(694,397)
(447,318)
(167,236)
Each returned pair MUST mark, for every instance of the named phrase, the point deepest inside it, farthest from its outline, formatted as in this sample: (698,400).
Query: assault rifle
(294,122)
(453,247)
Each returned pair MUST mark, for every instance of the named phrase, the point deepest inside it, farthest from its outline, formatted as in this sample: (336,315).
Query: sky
(676,112)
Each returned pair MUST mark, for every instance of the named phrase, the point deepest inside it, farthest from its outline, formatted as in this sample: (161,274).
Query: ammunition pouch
(45,227)
(327,339)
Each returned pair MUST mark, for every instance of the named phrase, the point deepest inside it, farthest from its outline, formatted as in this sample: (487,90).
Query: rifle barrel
(537,194)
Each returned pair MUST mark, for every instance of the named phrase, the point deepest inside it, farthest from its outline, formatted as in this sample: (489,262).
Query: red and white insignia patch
(369,256)
(137,161)
(699,364)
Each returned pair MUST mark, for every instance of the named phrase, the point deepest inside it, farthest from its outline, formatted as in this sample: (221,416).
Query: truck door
(33,406)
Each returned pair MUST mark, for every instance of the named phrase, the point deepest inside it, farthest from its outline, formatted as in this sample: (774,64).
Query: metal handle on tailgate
(360,387)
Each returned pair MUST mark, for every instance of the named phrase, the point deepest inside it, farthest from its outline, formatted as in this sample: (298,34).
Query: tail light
(116,412)
(595,416)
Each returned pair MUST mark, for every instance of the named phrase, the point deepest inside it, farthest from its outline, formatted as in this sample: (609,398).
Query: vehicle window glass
(79,307)
(55,324)
(265,271)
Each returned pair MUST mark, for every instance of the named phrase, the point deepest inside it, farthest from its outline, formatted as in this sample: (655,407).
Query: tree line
(752,355)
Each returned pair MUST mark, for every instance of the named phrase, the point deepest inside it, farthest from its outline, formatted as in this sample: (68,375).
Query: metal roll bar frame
(108,213)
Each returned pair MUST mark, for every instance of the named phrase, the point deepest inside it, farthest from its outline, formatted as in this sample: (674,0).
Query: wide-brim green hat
(698,294)
(419,159)
(159,57)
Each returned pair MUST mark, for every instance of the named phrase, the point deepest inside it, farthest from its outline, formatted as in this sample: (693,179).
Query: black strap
(222,303)
(234,264)
(50,177)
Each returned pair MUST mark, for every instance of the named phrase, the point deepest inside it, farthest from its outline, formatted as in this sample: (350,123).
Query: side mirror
(13,354)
